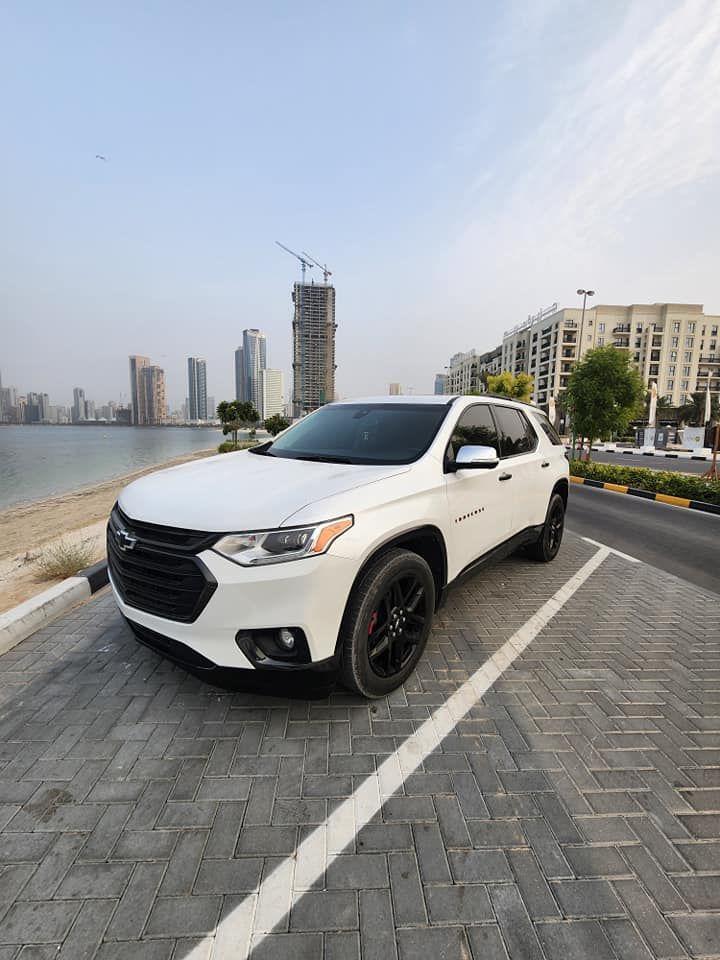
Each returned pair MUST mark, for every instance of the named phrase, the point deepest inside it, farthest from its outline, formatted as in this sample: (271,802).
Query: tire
(547,545)
(384,632)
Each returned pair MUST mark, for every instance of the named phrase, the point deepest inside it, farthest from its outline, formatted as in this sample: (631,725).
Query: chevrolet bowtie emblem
(125,540)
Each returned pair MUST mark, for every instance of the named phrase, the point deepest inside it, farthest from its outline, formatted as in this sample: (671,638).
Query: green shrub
(65,559)
(227,446)
(656,481)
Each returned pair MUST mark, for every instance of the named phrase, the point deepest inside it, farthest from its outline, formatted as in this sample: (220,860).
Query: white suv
(327,550)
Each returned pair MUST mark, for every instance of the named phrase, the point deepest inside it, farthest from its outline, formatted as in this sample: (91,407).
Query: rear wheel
(548,543)
(387,622)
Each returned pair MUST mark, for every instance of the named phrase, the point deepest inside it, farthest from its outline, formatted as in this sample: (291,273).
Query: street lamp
(584,294)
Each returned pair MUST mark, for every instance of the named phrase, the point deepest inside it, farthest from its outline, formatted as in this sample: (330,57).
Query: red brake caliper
(373,622)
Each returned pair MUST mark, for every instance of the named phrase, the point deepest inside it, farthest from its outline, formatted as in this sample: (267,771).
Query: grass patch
(227,446)
(65,559)
(655,481)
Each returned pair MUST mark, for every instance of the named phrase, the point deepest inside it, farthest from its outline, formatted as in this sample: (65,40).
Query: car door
(479,503)
(522,465)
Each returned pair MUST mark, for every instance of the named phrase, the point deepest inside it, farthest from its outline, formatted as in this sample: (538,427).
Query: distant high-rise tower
(78,407)
(395,390)
(152,388)
(239,375)
(313,346)
(271,393)
(137,394)
(197,389)
(252,360)
(440,383)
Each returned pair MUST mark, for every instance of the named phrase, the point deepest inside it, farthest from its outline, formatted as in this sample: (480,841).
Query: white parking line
(247,925)
(618,553)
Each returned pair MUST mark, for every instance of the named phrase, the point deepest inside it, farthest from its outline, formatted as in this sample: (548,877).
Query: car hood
(241,491)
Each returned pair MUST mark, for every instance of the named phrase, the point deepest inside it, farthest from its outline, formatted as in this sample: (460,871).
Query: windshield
(377,433)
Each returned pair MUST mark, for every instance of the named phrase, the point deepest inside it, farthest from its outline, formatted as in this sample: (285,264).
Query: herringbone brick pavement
(574,812)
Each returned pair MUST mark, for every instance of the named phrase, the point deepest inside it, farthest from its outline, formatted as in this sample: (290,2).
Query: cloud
(637,122)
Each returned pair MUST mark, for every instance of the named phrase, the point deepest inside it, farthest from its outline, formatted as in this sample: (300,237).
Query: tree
(604,393)
(236,415)
(275,424)
(518,386)
(693,410)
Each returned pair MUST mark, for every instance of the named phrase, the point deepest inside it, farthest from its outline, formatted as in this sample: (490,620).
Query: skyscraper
(271,393)
(239,375)
(395,390)
(197,389)
(313,346)
(250,361)
(78,407)
(137,395)
(152,388)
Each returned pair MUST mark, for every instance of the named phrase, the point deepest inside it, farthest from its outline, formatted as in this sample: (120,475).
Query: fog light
(287,640)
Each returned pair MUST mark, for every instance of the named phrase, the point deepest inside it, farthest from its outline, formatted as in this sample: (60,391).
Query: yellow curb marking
(675,501)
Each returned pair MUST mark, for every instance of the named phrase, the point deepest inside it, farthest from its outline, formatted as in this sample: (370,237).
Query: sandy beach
(81,515)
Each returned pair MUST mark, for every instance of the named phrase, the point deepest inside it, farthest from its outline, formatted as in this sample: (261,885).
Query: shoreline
(76,516)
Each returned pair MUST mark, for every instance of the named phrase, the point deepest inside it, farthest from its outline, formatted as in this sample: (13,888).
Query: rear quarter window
(516,433)
(549,430)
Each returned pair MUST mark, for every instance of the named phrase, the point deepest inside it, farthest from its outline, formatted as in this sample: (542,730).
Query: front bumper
(309,594)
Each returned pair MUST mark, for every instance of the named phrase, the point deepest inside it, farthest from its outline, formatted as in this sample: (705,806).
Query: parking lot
(547,784)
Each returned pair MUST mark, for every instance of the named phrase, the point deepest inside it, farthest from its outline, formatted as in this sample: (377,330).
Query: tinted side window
(550,431)
(516,434)
(475,427)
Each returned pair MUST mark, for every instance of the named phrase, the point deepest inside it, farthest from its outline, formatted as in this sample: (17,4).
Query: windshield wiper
(322,459)
(263,450)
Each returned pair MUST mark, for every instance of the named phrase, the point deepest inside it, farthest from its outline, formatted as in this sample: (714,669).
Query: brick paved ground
(575,812)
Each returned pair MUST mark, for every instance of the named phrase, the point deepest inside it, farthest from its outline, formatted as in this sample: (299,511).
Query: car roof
(439,399)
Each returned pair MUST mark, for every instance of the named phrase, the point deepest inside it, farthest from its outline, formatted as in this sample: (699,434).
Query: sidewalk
(573,811)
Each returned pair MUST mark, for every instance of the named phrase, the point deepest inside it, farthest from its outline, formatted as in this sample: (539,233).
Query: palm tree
(693,410)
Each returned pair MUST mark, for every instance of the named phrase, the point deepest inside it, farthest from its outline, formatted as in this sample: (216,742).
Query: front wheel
(548,543)
(387,622)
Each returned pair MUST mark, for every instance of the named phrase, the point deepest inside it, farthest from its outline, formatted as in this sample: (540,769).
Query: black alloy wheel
(396,625)
(386,623)
(547,545)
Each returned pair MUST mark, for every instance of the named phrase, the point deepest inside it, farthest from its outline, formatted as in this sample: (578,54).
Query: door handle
(505,476)
(545,463)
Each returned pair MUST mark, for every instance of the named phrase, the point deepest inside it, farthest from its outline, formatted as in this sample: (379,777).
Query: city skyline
(534,176)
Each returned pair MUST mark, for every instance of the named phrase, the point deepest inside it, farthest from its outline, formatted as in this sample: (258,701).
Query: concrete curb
(20,622)
(645,452)
(649,495)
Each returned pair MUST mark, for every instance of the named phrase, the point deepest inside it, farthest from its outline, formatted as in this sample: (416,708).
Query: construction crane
(323,266)
(306,264)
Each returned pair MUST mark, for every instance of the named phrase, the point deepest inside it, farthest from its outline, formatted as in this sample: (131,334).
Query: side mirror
(475,458)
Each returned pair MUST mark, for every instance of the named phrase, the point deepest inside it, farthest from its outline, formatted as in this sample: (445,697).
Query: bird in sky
(99,156)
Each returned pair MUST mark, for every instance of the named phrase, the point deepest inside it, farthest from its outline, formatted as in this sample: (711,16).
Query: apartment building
(467,371)
(147,392)
(674,345)
(271,393)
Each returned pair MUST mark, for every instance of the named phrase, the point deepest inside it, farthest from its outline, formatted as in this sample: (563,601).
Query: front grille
(160,574)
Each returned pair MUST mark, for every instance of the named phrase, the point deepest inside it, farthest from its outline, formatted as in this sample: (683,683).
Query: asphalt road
(680,541)
(653,463)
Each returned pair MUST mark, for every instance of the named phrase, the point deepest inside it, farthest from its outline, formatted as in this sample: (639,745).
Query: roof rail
(503,396)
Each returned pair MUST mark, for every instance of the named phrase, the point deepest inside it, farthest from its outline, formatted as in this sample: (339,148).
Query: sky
(458,166)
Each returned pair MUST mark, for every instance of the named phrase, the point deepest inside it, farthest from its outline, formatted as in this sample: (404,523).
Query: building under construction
(313,346)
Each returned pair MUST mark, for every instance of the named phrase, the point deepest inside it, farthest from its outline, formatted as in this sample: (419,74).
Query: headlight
(277,546)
